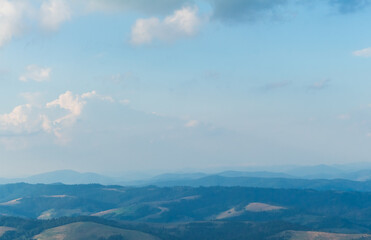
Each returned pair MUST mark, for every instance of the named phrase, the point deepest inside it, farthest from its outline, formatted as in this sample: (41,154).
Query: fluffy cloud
(53,117)
(53,13)
(73,104)
(366,52)
(70,102)
(10,20)
(183,23)
(36,73)
(21,119)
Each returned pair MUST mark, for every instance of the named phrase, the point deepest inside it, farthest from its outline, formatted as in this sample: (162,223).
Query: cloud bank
(17,15)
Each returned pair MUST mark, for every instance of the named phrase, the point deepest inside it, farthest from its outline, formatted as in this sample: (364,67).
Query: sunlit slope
(91,231)
(5,229)
(310,235)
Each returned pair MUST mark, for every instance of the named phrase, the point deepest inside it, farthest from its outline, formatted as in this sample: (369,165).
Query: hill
(310,235)
(263,182)
(91,231)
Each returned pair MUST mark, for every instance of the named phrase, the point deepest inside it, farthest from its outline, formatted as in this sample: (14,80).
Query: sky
(169,85)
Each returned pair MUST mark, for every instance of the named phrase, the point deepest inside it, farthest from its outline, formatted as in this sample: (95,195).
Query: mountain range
(294,176)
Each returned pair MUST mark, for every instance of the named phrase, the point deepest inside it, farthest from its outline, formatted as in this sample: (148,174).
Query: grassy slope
(308,235)
(5,229)
(91,231)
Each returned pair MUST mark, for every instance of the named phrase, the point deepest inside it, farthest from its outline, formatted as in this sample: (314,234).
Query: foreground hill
(309,235)
(91,231)
(83,228)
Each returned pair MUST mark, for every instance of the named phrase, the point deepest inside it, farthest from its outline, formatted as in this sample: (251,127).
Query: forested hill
(176,204)
(181,212)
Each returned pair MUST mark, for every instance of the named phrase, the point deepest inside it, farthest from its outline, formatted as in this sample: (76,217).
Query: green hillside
(91,231)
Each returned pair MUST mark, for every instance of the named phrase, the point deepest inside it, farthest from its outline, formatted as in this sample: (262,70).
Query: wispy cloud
(34,98)
(192,123)
(320,84)
(343,117)
(366,52)
(36,73)
(125,101)
(183,23)
(276,85)
(94,94)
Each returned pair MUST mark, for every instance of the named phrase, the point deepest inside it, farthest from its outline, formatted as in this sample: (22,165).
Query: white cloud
(36,73)
(53,13)
(10,20)
(70,102)
(17,117)
(183,23)
(52,117)
(366,52)
(94,94)
(192,123)
(23,118)
(74,104)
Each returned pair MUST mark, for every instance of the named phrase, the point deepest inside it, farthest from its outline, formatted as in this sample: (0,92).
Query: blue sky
(115,86)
